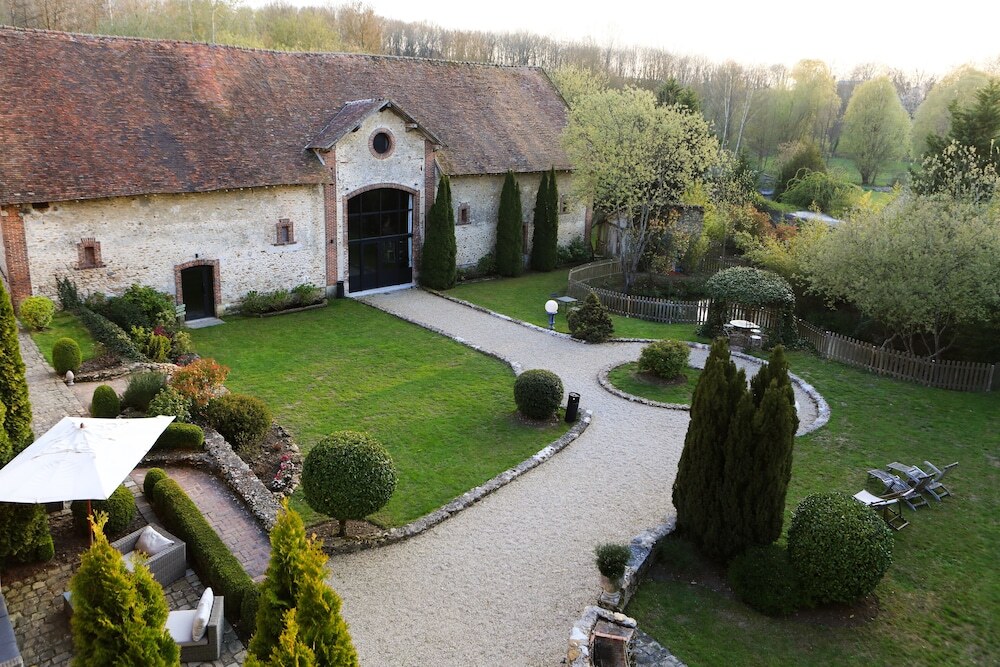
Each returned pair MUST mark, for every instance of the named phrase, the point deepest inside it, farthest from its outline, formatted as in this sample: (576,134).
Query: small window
(88,253)
(563,204)
(40,206)
(381,143)
(284,232)
(463,214)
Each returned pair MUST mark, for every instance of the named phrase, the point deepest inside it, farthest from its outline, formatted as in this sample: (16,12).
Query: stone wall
(142,240)
(482,196)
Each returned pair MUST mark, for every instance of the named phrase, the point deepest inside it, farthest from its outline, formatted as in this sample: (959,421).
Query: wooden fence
(955,375)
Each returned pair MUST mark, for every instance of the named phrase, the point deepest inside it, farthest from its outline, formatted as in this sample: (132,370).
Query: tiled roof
(84,117)
(351,116)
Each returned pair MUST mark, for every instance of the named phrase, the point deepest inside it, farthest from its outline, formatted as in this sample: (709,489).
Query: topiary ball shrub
(153,475)
(142,388)
(348,475)
(45,550)
(538,393)
(764,579)
(168,401)
(611,560)
(839,548)
(105,403)
(591,321)
(180,436)
(36,312)
(120,508)
(666,359)
(66,356)
(241,419)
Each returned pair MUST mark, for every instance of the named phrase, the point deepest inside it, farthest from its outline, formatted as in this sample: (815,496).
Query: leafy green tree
(933,116)
(575,82)
(510,233)
(545,240)
(294,590)
(921,266)
(437,264)
(118,616)
(633,159)
(815,103)
(876,127)
(699,489)
(797,161)
(976,127)
(672,93)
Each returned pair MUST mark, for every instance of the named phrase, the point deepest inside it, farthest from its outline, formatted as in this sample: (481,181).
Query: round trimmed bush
(764,579)
(120,508)
(348,475)
(180,436)
(839,548)
(105,403)
(666,359)
(168,401)
(36,312)
(612,559)
(242,420)
(153,475)
(46,550)
(538,393)
(141,389)
(66,356)
(591,321)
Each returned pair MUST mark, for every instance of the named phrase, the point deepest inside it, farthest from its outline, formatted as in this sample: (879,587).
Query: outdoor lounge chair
(909,495)
(209,647)
(166,566)
(935,487)
(923,481)
(886,506)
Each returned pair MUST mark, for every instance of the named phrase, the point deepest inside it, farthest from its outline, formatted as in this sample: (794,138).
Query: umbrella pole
(90,525)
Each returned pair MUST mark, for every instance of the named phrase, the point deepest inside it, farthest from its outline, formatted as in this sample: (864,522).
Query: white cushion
(151,542)
(201,615)
(179,625)
(129,562)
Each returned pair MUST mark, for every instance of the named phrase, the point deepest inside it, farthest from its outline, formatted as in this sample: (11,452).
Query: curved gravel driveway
(502,582)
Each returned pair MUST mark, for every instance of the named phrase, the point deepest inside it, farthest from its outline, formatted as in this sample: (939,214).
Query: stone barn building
(208,171)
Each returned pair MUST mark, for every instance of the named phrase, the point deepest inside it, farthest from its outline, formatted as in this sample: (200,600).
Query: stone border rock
(125,369)
(463,502)
(605,382)
(609,605)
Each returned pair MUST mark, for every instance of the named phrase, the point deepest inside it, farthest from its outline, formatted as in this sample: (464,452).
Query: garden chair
(934,486)
(886,506)
(181,626)
(894,484)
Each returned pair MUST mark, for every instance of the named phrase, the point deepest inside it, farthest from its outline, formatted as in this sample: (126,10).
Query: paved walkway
(51,399)
(502,582)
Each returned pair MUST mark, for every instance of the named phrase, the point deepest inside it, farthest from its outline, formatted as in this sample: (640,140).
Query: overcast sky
(843,33)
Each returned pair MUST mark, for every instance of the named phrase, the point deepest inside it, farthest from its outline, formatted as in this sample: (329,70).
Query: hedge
(181,436)
(110,334)
(153,475)
(215,563)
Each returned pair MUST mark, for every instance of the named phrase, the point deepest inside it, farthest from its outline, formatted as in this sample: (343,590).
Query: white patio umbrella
(79,459)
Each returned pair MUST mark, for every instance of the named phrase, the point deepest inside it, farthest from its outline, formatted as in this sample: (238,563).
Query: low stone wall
(106,374)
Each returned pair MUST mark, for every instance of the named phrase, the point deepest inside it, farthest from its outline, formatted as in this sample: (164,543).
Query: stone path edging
(466,500)
(602,379)
(124,369)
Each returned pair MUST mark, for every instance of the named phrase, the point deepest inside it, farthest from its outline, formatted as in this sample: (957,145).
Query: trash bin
(572,407)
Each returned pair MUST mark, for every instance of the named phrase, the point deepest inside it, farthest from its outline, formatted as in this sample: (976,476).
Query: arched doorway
(197,288)
(380,239)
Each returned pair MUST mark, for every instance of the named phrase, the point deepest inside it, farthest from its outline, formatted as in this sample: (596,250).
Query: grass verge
(444,412)
(64,325)
(628,378)
(941,597)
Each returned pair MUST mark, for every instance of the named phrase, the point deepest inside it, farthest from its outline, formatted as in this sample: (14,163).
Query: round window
(381,143)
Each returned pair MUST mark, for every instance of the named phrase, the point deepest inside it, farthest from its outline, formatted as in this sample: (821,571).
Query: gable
(84,117)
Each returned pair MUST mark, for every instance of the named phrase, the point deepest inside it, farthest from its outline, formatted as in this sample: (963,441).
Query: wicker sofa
(167,566)
(10,654)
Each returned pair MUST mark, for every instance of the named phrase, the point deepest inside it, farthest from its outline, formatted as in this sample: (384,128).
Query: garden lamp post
(552,307)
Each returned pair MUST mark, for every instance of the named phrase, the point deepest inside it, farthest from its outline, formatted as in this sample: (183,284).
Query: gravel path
(502,582)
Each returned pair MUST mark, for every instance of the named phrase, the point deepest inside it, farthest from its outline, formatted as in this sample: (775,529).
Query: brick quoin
(330,221)
(430,184)
(16,251)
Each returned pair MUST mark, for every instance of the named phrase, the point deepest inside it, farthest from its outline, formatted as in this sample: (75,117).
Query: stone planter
(610,585)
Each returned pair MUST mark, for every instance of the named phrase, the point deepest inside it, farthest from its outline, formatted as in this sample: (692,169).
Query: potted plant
(611,561)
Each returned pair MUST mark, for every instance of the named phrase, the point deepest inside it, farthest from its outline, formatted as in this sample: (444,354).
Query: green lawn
(939,602)
(627,378)
(445,412)
(524,298)
(64,325)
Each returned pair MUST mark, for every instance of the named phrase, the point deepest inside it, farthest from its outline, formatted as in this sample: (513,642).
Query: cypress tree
(295,580)
(545,236)
(510,241)
(774,427)
(738,470)
(437,264)
(13,385)
(118,616)
(291,650)
(698,492)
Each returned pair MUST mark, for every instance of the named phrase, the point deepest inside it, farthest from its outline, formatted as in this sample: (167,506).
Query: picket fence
(954,375)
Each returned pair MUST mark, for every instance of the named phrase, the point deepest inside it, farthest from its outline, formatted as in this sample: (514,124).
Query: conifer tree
(437,264)
(291,651)
(510,240)
(546,223)
(295,580)
(738,469)
(699,493)
(13,385)
(118,616)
